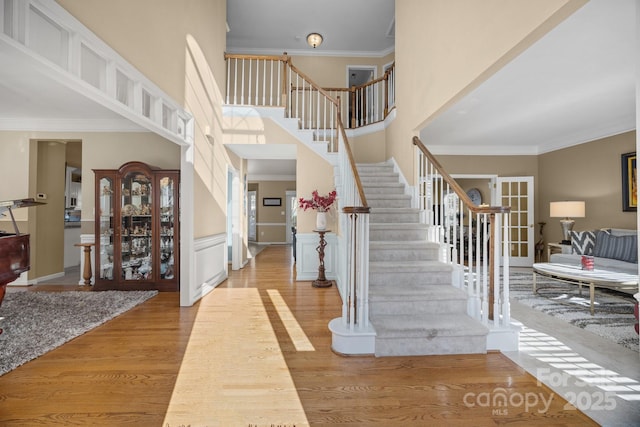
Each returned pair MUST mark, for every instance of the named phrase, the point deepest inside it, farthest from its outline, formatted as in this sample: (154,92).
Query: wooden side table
(86,274)
(321,281)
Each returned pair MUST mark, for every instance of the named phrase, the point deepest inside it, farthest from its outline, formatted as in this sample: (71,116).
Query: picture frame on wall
(271,201)
(629,183)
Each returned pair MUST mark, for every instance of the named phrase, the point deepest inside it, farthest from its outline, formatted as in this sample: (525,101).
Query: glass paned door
(167,228)
(517,193)
(106,231)
(136,229)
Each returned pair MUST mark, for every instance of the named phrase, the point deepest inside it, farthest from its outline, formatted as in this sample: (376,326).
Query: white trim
(210,265)
(189,291)
(316,52)
(253,177)
(271,224)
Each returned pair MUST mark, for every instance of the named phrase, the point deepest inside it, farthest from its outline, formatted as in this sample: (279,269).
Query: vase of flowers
(321,204)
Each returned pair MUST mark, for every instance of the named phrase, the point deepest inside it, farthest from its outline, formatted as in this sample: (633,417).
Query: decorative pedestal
(321,281)
(86,274)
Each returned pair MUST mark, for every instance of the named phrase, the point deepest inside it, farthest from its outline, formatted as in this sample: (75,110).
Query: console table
(577,276)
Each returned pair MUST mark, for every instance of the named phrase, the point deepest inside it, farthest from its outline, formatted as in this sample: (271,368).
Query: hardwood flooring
(243,357)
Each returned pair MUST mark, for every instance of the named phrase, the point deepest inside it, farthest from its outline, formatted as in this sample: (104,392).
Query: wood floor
(258,349)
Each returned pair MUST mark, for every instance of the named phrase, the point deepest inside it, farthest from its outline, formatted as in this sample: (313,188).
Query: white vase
(321,221)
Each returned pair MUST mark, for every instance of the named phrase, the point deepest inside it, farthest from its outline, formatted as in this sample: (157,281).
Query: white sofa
(620,259)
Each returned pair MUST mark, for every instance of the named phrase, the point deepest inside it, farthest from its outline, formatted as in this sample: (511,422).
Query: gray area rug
(613,318)
(37,322)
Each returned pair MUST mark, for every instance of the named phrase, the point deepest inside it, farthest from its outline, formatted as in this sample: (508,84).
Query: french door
(517,193)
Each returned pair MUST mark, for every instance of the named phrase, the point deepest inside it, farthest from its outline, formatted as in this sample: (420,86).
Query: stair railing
(355,226)
(273,81)
(476,238)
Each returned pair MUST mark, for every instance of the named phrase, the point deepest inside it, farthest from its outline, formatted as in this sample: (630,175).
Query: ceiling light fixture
(314,40)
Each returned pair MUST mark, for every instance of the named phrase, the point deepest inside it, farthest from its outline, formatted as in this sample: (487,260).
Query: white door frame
(251,226)
(234,226)
(521,261)
(289,196)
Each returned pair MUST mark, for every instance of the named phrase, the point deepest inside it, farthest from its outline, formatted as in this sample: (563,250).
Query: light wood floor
(247,349)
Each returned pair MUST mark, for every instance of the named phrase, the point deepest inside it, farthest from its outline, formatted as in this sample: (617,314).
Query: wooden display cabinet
(137,228)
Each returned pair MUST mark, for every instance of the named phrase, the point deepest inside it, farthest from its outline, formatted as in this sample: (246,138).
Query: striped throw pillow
(583,242)
(624,248)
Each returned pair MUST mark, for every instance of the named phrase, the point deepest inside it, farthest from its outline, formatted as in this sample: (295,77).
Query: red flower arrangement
(317,202)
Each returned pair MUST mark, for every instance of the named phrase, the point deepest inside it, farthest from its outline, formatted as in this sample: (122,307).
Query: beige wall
(590,172)
(268,216)
(331,71)
(369,148)
(444,49)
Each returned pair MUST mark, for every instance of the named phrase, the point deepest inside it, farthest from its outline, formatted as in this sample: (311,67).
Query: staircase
(413,305)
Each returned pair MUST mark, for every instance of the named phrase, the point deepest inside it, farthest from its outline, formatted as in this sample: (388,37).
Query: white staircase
(413,305)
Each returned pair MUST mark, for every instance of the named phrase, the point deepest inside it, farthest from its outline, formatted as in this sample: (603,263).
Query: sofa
(612,249)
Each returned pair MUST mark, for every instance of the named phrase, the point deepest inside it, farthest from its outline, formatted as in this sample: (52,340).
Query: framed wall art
(629,183)
(271,201)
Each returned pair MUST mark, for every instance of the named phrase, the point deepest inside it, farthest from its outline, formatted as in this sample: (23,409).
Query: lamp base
(567,226)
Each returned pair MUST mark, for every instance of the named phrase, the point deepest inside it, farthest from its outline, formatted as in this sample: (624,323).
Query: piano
(14,246)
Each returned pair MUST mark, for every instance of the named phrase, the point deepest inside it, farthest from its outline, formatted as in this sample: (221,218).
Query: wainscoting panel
(307,259)
(211,264)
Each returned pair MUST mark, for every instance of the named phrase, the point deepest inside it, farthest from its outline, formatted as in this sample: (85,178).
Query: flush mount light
(314,40)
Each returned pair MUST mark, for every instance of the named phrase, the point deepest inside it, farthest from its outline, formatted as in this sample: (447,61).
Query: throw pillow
(583,242)
(624,248)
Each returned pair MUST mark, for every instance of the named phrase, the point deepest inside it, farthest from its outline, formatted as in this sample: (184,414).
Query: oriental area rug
(37,322)
(613,318)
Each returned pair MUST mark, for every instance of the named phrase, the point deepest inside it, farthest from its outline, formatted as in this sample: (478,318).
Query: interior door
(251,195)
(517,192)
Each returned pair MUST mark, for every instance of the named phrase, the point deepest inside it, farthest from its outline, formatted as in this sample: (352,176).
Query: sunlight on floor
(297,335)
(565,363)
(233,372)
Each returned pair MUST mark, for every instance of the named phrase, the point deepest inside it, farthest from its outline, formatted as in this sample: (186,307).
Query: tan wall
(369,148)
(444,49)
(272,214)
(331,71)
(590,172)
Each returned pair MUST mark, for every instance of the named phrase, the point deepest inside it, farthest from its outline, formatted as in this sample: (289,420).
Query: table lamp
(566,211)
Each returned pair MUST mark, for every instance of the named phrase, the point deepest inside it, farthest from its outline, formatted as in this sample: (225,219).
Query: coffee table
(577,276)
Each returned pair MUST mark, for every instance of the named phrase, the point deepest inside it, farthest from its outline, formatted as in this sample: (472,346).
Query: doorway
(361,105)
(251,197)
(234,229)
(290,213)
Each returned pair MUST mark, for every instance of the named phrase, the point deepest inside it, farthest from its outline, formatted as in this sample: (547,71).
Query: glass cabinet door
(167,227)
(105,228)
(136,228)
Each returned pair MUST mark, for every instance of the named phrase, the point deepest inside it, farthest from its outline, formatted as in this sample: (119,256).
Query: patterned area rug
(37,322)
(613,318)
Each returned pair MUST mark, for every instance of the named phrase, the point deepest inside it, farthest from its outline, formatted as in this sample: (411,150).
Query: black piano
(14,246)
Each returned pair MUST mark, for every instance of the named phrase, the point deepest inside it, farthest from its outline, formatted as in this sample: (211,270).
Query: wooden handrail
(352,162)
(483,209)
(311,82)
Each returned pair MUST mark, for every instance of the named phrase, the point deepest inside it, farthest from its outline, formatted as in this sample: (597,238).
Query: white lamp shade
(566,209)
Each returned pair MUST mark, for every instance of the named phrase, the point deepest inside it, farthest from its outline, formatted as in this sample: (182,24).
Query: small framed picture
(271,201)
(629,184)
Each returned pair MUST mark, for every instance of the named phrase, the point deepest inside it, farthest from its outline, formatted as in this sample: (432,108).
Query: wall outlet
(41,196)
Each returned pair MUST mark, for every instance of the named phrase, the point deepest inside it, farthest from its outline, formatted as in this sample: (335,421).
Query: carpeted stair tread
(400,292)
(428,266)
(395,210)
(397,226)
(416,245)
(427,325)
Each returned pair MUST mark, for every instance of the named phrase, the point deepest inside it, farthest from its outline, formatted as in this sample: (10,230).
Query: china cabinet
(137,228)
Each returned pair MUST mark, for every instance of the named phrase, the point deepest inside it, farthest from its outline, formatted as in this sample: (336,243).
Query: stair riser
(394,217)
(389,203)
(431,346)
(372,180)
(403,235)
(414,306)
(420,279)
(396,189)
(375,170)
(402,254)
